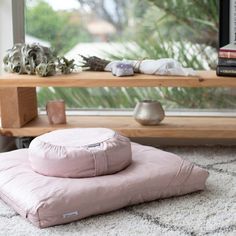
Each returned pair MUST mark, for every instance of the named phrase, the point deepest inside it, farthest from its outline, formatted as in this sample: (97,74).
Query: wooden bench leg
(18,106)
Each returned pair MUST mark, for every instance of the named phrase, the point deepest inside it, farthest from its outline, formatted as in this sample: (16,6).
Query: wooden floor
(171,127)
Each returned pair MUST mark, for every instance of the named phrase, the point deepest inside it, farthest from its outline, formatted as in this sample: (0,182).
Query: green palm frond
(186,30)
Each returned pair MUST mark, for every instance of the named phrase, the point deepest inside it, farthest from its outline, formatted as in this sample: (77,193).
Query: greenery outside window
(185,30)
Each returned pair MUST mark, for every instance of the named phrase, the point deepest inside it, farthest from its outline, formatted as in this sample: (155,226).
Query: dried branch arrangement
(94,63)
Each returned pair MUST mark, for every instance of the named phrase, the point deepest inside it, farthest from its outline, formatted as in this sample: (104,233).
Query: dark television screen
(227,26)
(224,26)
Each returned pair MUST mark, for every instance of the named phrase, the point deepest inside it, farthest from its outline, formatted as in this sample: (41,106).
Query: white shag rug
(210,212)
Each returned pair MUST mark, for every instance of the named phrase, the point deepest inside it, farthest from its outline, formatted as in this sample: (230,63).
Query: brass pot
(149,112)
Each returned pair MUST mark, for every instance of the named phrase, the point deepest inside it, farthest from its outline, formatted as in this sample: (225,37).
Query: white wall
(6,42)
(6,36)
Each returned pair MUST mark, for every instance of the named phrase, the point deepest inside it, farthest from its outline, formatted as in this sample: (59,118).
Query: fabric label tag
(94,145)
(70,214)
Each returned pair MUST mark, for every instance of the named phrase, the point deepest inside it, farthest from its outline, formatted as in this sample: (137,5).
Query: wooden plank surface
(106,79)
(171,127)
(18,106)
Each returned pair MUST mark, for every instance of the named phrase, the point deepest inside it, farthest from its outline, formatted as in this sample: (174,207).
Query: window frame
(18,21)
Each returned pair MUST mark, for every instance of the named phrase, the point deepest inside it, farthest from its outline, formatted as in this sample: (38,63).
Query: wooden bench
(20,118)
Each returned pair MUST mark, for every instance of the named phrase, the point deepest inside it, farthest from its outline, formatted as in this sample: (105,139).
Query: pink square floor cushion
(46,201)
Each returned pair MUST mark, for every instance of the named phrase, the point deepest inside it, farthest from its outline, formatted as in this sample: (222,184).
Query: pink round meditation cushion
(80,152)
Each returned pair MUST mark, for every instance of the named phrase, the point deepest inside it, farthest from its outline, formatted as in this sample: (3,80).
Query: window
(184,30)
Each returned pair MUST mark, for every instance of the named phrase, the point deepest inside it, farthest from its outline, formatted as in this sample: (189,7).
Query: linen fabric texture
(46,201)
(164,66)
(80,152)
